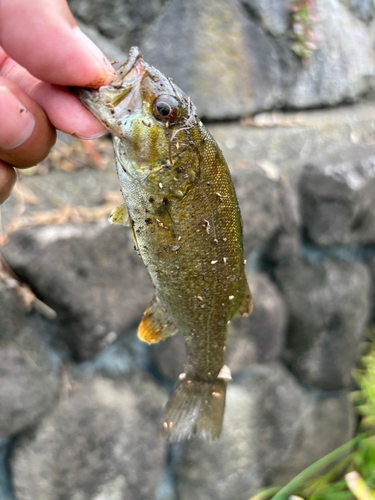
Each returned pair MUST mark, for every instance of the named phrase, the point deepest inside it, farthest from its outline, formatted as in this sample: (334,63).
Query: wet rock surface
(101,442)
(328,304)
(90,274)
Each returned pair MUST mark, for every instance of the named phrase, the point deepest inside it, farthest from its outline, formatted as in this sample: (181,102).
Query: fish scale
(186,224)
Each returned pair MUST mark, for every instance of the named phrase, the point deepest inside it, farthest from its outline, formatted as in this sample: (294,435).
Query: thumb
(43,37)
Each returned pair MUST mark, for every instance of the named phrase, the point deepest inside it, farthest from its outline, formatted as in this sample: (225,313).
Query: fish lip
(130,64)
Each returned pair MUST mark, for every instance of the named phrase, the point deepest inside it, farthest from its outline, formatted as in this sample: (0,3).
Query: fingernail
(96,52)
(17,123)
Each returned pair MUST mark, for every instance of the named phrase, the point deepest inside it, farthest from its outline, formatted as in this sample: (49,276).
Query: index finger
(43,37)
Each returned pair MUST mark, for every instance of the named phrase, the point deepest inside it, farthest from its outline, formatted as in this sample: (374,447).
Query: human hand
(41,51)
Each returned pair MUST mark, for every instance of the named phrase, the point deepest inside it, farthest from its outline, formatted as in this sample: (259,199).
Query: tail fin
(195,407)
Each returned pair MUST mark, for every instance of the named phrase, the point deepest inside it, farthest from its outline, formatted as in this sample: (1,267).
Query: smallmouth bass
(184,216)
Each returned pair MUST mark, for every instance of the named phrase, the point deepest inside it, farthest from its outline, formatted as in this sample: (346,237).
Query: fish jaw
(112,104)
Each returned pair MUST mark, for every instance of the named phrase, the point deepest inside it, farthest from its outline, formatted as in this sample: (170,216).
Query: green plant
(302,19)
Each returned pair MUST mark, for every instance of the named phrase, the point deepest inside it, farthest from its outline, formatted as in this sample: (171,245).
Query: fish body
(184,216)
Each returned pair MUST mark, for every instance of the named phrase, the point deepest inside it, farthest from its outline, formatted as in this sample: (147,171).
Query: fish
(184,216)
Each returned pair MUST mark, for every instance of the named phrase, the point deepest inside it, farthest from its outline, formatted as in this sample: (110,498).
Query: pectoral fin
(246,305)
(119,216)
(155,325)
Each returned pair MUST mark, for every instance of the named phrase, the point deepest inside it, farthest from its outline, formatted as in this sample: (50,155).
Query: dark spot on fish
(148,221)
(165,201)
(151,199)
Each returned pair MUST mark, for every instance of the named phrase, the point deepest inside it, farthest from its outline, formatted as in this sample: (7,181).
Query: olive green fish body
(186,224)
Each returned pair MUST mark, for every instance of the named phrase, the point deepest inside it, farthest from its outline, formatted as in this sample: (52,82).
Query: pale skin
(41,52)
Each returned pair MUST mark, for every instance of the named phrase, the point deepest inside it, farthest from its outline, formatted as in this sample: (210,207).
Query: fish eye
(166,108)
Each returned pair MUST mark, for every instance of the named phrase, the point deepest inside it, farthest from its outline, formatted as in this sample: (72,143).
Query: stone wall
(80,397)
(242,49)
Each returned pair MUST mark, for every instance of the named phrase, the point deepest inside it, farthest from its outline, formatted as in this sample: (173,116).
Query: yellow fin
(246,305)
(155,325)
(119,216)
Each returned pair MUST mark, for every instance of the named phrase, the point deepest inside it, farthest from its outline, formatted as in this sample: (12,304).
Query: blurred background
(287,89)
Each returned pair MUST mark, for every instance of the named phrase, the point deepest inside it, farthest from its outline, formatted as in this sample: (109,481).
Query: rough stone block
(90,274)
(29,380)
(100,443)
(337,198)
(259,337)
(328,305)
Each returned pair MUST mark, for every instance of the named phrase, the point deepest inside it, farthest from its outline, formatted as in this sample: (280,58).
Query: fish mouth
(113,103)
(132,67)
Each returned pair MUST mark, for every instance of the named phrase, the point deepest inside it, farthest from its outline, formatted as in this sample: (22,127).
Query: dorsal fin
(155,325)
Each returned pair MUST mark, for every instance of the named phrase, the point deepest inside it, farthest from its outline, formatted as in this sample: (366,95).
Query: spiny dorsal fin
(155,325)
(119,216)
(246,304)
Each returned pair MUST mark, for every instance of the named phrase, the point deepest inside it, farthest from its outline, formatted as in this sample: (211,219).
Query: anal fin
(246,305)
(155,324)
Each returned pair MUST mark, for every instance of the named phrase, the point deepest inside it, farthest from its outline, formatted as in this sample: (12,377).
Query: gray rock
(111,50)
(242,50)
(169,357)
(11,312)
(270,423)
(328,306)
(101,443)
(269,211)
(29,381)
(337,197)
(259,337)
(326,422)
(364,9)
(272,15)
(338,70)
(217,55)
(90,274)
(5,483)
(122,22)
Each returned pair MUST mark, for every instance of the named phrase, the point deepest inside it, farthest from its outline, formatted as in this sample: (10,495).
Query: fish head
(151,121)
